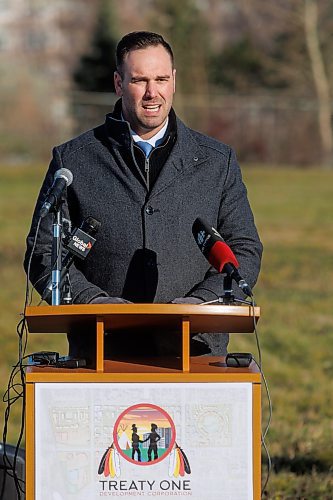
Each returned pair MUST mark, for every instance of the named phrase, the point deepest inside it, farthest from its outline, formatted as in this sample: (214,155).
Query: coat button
(149,210)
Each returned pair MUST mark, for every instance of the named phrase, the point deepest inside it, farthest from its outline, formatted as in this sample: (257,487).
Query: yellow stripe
(177,465)
(111,464)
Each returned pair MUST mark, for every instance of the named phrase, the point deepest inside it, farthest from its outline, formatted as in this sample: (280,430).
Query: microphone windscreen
(212,245)
(221,254)
(64,173)
(91,225)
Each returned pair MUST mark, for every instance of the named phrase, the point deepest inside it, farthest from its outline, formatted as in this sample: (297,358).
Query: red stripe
(107,467)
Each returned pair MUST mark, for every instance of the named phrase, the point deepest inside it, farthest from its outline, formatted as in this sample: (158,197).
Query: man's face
(147,85)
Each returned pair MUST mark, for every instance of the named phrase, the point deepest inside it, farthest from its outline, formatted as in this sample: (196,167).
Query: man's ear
(118,83)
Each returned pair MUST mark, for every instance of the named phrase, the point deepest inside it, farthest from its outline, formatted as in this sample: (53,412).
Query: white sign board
(95,440)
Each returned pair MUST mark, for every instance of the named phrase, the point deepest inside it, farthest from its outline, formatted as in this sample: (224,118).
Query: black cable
(22,332)
(263,434)
(34,286)
(259,365)
(43,277)
(256,333)
(10,400)
(29,267)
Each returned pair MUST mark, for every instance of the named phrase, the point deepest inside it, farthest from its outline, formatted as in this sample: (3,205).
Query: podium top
(203,318)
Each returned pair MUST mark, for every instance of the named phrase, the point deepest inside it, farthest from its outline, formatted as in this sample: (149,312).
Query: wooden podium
(211,425)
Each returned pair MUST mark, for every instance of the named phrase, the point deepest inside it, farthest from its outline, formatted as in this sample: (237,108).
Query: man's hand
(187,300)
(110,300)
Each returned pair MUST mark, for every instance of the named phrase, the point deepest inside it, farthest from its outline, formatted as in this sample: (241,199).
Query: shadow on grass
(300,465)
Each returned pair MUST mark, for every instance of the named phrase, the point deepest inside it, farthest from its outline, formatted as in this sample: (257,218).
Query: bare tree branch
(320,77)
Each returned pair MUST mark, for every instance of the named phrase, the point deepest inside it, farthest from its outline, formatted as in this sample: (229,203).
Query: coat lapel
(185,154)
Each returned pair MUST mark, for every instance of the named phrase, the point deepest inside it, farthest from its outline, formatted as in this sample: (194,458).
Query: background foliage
(263,65)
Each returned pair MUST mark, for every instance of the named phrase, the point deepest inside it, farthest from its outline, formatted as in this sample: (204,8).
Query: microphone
(79,243)
(218,253)
(62,178)
(81,239)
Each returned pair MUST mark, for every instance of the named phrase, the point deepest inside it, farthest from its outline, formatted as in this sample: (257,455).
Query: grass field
(293,211)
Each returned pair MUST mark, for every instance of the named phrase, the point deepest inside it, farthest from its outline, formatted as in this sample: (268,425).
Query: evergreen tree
(240,67)
(95,71)
(184,26)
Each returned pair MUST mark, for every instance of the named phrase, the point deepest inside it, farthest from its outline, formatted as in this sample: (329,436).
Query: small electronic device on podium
(187,426)
(238,359)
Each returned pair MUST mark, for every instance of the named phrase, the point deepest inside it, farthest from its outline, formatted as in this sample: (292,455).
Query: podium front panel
(143,439)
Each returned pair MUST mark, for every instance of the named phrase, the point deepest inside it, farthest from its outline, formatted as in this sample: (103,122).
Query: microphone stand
(85,232)
(56,254)
(228,297)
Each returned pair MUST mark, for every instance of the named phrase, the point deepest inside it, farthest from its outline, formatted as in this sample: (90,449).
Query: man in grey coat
(146,177)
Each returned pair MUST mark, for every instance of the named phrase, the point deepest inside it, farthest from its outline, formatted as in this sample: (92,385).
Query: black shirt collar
(120,132)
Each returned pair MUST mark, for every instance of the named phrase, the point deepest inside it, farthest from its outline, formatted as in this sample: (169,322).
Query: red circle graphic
(134,409)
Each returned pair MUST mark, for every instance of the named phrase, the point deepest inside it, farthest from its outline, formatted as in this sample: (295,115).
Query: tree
(95,71)
(295,38)
(184,26)
(320,78)
(239,67)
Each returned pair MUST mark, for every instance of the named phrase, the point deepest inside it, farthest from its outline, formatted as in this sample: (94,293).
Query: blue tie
(145,146)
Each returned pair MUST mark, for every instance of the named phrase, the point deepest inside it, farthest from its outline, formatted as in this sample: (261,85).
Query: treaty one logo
(144,434)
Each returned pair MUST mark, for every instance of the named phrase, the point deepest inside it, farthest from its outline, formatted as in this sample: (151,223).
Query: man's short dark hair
(140,40)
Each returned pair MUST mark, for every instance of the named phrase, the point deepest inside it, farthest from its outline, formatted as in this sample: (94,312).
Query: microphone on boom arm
(218,253)
(78,243)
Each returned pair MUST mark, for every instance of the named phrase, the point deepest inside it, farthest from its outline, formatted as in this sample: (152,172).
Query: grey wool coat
(145,250)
